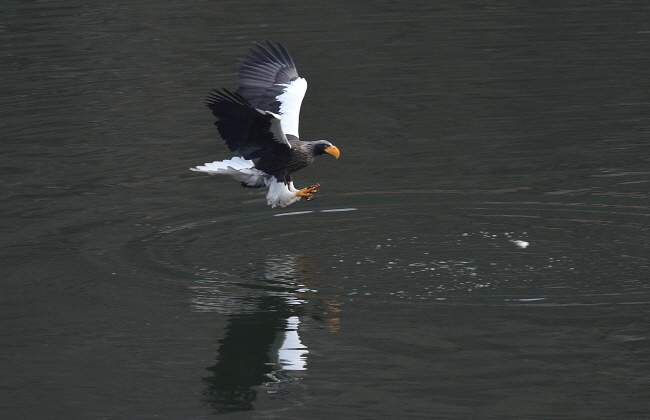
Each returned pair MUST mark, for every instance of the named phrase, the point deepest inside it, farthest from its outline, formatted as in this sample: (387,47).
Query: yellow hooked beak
(334,151)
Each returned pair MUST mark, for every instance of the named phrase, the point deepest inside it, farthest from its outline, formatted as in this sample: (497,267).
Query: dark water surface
(480,250)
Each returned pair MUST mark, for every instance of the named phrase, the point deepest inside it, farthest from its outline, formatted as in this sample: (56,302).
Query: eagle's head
(324,146)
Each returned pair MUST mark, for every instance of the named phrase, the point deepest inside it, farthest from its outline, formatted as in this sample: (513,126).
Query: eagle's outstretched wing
(251,132)
(269,81)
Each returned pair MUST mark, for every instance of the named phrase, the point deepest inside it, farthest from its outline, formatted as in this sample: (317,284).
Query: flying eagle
(260,121)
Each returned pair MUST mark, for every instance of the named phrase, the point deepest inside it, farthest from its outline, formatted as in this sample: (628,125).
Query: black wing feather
(244,128)
(262,71)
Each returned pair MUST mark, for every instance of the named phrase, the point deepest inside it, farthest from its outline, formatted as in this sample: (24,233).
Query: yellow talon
(308,193)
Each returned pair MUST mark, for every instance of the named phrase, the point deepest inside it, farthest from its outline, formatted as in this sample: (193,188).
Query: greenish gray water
(480,250)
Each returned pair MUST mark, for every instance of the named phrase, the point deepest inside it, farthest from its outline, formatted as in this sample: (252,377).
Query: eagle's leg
(308,192)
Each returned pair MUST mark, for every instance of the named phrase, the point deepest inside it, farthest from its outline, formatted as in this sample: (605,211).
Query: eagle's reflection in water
(262,344)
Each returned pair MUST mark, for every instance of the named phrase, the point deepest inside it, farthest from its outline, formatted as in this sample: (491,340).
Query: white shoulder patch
(276,129)
(290,102)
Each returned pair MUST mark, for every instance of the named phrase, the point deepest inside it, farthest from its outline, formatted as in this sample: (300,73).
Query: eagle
(260,122)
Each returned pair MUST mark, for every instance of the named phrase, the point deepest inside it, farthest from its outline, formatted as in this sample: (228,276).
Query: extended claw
(308,192)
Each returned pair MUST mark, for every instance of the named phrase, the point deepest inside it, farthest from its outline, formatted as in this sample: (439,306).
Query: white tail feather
(239,168)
